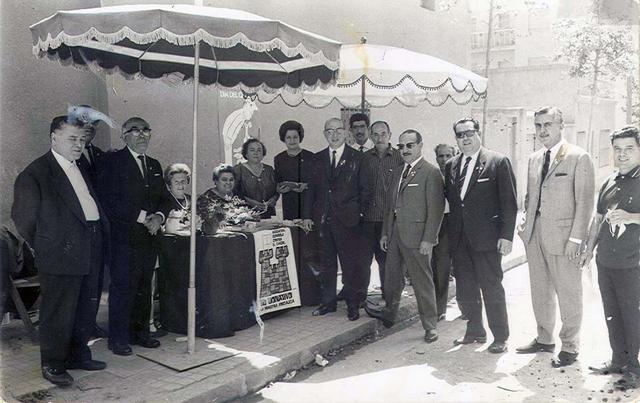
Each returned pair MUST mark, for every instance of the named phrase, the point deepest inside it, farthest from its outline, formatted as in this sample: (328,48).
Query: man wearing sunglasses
(481,190)
(409,232)
(132,188)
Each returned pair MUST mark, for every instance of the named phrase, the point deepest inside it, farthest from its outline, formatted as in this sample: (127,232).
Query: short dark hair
(442,145)
(220,169)
(553,110)
(414,131)
(357,117)
(291,125)
(476,125)
(245,147)
(381,122)
(627,132)
(59,121)
(174,169)
(131,121)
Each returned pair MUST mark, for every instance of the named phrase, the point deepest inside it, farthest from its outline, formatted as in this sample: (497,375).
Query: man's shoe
(88,365)
(607,368)
(56,376)
(630,380)
(379,315)
(430,336)
(353,312)
(470,339)
(323,310)
(145,341)
(99,333)
(120,349)
(564,359)
(498,347)
(535,347)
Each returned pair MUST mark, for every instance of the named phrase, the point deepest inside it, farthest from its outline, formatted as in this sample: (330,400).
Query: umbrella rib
(215,63)
(277,62)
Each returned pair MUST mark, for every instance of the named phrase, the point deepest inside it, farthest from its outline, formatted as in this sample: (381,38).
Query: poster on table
(276,276)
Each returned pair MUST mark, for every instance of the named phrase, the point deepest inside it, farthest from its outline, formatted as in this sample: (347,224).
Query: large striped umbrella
(203,45)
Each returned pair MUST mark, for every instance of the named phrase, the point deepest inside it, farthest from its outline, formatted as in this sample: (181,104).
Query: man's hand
(523,222)
(300,188)
(620,216)
(572,250)
(426,248)
(307,225)
(585,258)
(504,246)
(153,223)
(384,243)
(283,188)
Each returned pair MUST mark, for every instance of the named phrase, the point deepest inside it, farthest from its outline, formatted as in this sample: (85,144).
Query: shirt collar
(634,173)
(413,164)
(473,156)
(367,145)
(62,161)
(135,154)
(388,151)
(338,150)
(554,150)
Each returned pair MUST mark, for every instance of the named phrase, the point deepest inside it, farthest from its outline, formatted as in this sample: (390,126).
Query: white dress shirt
(339,151)
(368,145)
(135,157)
(412,165)
(470,168)
(88,204)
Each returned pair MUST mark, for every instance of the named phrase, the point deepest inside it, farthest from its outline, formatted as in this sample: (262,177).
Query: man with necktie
(558,207)
(409,233)
(481,189)
(335,206)
(359,128)
(132,188)
(58,213)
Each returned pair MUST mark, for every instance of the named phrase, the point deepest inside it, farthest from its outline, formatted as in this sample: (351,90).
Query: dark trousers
(475,272)
(67,311)
(347,243)
(131,271)
(620,290)
(371,232)
(400,260)
(441,263)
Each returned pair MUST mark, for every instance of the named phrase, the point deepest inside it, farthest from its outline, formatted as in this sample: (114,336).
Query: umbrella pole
(363,96)
(191,294)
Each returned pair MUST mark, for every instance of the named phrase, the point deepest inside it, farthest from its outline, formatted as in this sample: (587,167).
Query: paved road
(400,367)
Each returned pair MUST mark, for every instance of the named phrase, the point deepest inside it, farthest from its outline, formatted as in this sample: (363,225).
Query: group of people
(81,209)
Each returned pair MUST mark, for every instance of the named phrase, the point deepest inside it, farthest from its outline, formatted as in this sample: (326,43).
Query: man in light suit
(335,206)
(480,187)
(57,212)
(409,233)
(559,204)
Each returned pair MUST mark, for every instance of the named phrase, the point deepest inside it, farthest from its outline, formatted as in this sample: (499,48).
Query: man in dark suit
(409,232)
(56,210)
(481,190)
(88,162)
(335,202)
(131,189)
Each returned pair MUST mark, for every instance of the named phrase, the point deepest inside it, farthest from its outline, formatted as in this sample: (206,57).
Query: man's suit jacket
(488,211)
(91,169)
(124,192)
(47,213)
(567,197)
(417,205)
(342,195)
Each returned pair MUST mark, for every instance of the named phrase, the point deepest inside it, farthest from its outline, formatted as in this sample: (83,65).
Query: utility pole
(487,62)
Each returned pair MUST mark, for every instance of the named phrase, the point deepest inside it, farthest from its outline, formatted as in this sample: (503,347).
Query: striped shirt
(377,172)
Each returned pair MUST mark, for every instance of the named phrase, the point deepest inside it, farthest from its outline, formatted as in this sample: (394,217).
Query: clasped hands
(153,222)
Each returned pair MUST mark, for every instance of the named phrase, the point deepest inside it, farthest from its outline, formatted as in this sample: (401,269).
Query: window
(581,139)
(604,147)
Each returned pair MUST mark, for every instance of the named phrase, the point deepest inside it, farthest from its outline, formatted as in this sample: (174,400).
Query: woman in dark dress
(292,167)
(177,177)
(255,181)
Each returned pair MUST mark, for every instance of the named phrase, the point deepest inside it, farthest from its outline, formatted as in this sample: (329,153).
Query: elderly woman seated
(177,177)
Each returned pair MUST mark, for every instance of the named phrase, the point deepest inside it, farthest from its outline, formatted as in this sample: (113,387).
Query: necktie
(361,149)
(545,170)
(91,156)
(463,174)
(87,155)
(406,171)
(143,165)
(333,161)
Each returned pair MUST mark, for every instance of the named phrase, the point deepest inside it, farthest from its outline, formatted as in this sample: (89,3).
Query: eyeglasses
(146,132)
(336,130)
(466,133)
(408,145)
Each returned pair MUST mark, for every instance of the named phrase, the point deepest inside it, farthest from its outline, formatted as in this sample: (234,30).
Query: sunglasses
(466,133)
(408,145)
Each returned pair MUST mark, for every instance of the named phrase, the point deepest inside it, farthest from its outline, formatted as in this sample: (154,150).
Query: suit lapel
(477,171)
(343,160)
(65,189)
(562,152)
(412,174)
(455,168)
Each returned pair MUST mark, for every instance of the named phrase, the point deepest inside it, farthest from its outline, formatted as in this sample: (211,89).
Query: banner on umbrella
(276,277)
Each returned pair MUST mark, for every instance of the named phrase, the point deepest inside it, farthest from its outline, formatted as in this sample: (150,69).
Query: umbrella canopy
(387,74)
(237,49)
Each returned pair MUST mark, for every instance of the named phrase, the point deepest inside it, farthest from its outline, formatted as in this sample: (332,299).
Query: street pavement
(400,367)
